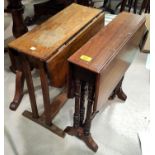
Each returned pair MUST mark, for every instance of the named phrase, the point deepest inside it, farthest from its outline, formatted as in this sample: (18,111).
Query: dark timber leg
(45,91)
(80,130)
(76,130)
(119,92)
(82,101)
(77,104)
(19,90)
(13,60)
(29,81)
(87,125)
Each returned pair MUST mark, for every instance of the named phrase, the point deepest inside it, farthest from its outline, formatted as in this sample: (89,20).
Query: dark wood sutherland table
(47,48)
(98,68)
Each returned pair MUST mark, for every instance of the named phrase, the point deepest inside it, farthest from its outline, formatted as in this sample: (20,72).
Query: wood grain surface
(107,43)
(45,39)
(57,64)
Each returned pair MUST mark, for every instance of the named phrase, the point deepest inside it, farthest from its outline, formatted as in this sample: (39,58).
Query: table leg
(119,92)
(77,104)
(80,130)
(27,73)
(87,125)
(45,91)
(19,90)
(76,130)
(45,118)
(82,101)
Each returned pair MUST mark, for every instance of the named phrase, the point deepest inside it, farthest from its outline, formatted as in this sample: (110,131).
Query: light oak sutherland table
(47,48)
(98,68)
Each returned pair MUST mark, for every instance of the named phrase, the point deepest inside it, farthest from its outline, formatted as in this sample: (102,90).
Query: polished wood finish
(19,28)
(59,37)
(51,43)
(112,40)
(107,57)
(55,63)
(48,37)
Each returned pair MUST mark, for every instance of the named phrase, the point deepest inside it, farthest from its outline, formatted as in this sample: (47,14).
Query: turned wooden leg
(45,91)
(87,125)
(76,130)
(80,129)
(19,90)
(119,92)
(77,104)
(82,101)
(27,73)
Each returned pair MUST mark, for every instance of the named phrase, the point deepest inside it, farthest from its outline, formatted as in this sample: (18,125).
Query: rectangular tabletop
(44,40)
(107,43)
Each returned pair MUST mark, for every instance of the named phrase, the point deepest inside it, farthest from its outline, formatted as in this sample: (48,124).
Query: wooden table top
(106,44)
(45,39)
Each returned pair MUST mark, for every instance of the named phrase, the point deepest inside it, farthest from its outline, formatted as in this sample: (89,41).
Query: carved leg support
(80,129)
(82,101)
(76,130)
(87,136)
(19,90)
(77,104)
(119,92)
